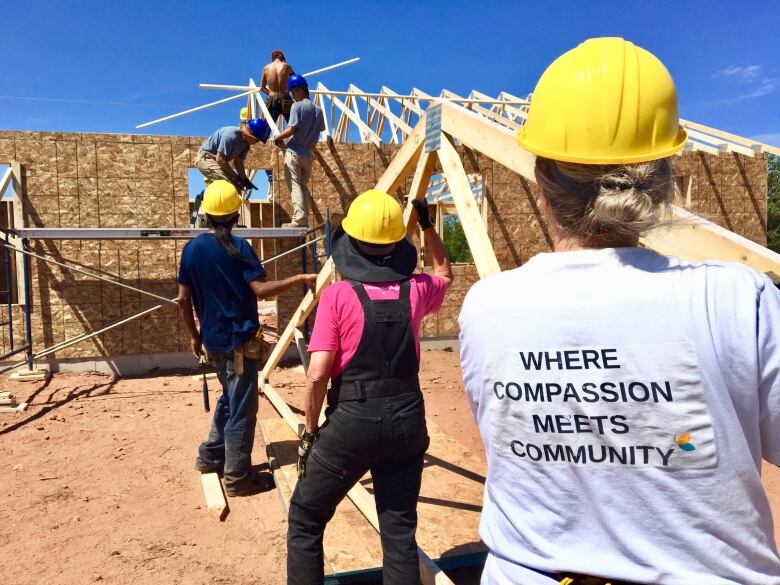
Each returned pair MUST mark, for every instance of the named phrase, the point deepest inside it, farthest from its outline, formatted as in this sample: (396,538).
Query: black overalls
(376,422)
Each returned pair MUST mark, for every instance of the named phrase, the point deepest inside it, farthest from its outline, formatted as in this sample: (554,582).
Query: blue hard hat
(259,129)
(297,81)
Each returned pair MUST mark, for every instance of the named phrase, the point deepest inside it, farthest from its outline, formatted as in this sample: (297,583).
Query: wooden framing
(698,240)
(470,216)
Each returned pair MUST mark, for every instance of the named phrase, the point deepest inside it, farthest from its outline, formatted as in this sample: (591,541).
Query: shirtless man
(274,83)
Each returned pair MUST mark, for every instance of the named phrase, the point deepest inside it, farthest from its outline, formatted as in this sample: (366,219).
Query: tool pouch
(257,348)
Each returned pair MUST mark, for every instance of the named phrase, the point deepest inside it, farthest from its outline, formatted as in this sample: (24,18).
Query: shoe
(260,482)
(204,468)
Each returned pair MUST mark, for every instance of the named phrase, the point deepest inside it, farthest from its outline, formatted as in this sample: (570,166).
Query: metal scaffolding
(23,236)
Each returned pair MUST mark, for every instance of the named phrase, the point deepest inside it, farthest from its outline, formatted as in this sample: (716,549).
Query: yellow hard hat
(244,114)
(606,101)
(375,218)
(221,198)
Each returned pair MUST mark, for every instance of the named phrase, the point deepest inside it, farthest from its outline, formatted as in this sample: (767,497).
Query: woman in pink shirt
(366,340)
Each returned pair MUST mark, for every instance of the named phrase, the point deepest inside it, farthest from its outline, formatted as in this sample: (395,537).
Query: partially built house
(95,224)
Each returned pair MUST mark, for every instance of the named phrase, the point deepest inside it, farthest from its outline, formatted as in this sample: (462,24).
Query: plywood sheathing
(114,180)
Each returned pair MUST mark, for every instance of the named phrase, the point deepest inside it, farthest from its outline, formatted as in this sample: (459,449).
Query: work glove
(423,218)
(248,184)
(304,449)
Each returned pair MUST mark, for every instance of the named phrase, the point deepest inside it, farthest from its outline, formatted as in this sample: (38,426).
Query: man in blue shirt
(303,130)
(221,277)
(230,144)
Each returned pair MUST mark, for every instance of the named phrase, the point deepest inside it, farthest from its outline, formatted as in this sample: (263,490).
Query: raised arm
(265,290)
(441,260)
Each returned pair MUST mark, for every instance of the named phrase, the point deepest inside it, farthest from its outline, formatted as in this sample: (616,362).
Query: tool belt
(360,390)
(256,348)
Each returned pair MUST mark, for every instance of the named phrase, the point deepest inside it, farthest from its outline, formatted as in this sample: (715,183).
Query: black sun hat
(355,261)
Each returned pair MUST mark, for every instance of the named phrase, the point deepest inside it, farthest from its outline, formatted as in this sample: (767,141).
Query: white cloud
(752,80)
(746,73)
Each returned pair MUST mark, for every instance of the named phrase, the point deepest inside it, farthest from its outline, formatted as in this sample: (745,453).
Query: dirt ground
(97,483)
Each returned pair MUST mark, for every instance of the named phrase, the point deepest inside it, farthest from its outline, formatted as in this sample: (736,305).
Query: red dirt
(98,486)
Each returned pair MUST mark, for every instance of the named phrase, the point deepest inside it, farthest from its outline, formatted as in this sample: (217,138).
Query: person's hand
(423,217)
(304,449)
(197,346)
(279,142)
(309,280)
(249,184)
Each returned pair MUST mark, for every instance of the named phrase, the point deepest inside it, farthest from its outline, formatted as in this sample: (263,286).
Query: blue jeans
(229,446)
(387,436)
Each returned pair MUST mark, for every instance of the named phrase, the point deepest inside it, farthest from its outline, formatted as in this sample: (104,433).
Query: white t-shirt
(626,400)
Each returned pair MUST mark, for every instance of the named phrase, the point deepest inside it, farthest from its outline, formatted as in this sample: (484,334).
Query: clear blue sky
(106,65)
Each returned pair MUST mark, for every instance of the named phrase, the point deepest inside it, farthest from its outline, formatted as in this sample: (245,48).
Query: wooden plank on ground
(34,375)
(350,544)
(215,497)
(20,408)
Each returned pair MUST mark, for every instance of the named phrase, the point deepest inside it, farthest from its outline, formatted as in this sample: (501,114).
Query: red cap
(279,53)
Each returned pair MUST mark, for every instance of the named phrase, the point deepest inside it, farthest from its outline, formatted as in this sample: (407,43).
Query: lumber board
(489,138)
(422,177)
(728,136)
(17,198)
(215,497)
(20,408)
(404,160)
(368,132)
(304,309)
(470,217)
(350,543)
(30,375)
(696,239)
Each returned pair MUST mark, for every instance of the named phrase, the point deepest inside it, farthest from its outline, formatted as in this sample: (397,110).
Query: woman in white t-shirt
(625,399)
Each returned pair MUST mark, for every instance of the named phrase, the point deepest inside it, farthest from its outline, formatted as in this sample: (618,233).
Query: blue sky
(106,66)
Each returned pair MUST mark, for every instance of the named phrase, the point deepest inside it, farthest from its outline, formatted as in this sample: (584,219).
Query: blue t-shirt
(308,118)
(228,141)
(223,301)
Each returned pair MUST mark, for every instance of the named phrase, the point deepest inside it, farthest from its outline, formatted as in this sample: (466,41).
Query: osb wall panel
(103,180)
(94,180)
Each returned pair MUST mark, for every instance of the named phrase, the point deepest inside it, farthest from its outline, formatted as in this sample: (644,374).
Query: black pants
(387,436)
(279,106)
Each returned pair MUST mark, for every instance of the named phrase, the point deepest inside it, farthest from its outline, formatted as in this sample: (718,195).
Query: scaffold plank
(149,233)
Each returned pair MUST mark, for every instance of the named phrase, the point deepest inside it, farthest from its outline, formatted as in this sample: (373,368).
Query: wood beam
(368,132)
(491,139)
(215,497)
(484,111)
(728,136)
(422,177)
(470,216)
(324,278)
(696,239)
